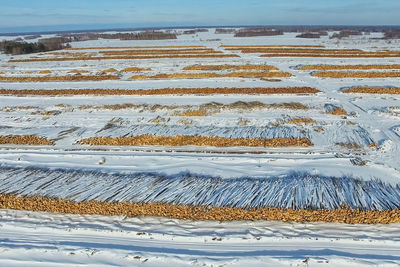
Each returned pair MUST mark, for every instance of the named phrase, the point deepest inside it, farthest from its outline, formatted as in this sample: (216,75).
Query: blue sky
(37,15)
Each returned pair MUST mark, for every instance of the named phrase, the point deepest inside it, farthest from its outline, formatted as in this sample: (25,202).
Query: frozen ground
(57,240)
(42,239)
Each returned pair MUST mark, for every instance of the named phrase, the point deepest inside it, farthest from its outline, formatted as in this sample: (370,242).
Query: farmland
(205,129)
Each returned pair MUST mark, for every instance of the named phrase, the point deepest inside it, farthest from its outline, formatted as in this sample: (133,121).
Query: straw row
(24,140)
(213,75)
(124,57)
(164,91)
(59,78)
(359,74)
(184,140)
(349,67)
(230,67)
(373,90)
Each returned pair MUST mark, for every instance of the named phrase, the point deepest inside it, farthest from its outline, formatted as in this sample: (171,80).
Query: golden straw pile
(373,90)
(24,140)
(184,212)
(59,78)
(230,67)
(213,75)
(359,74)
(349,67)
(165,91)
(185,140)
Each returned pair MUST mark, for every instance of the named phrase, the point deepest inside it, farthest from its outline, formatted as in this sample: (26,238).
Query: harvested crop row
(185,212)
(151,52)
(24,140)
(185,140)
(349,67)
(208,107)
(59,78)
(297,50)
(137,47)
(301,121)
(339,74)
(294,46)
(230,67)
(124,57)
(165,91)
(213,75)
(133,69)
(373,90)
(361,55)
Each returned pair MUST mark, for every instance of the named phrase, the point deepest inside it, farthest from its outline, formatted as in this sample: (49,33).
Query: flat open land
(208,149)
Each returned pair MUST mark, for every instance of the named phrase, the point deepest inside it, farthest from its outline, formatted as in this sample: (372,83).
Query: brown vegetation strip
(349,67)
(339,74)
(361,55)
(230,67)
(151,52)
(374,90)
(339,111)
(184,212)
(124,57)
(213,75)
(301,121)
(297,50)
(133,69)
(186,140)
(208,107)
(165,91)
(138,47)
(294,46)
(59,78)
(24,140)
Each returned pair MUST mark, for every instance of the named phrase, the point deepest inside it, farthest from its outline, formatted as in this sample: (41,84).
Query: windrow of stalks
(338,111)
(294,46)
(296,50)
(206,108)
(231,67)
(78,71)
(160,51)
(164,91)
(302,121)
(60,78)
(185,140)
(24,140)
(124,57)
(185,212)
(213,75)
(136,47)
(359,74)
(134,69)
(356,55)
(350,67)
(373,90)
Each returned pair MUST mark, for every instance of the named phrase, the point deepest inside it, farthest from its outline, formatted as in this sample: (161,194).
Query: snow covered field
(359,148)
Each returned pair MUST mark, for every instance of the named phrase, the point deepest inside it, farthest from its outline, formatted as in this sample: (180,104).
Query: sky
(53,15)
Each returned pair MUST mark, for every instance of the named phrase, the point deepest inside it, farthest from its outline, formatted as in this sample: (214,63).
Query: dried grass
(373,90)
(165,91)
(359,55)
(134,69)
(109,70)
(137,47)
(301,121)
(161,52)
(349,67)
(192,113)
(123,57)
(184,212)
(230,67)
(185,140)
(44,72)
(59,78)
(339,74)
(78,71)
(24,140)
(293,46)
(339,111)
(213,75)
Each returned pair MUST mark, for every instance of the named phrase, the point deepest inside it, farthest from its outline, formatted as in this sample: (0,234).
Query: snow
(62,240)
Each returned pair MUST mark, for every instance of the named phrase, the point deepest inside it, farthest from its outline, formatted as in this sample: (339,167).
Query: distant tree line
(18,47)
(250,32)
(146,35)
